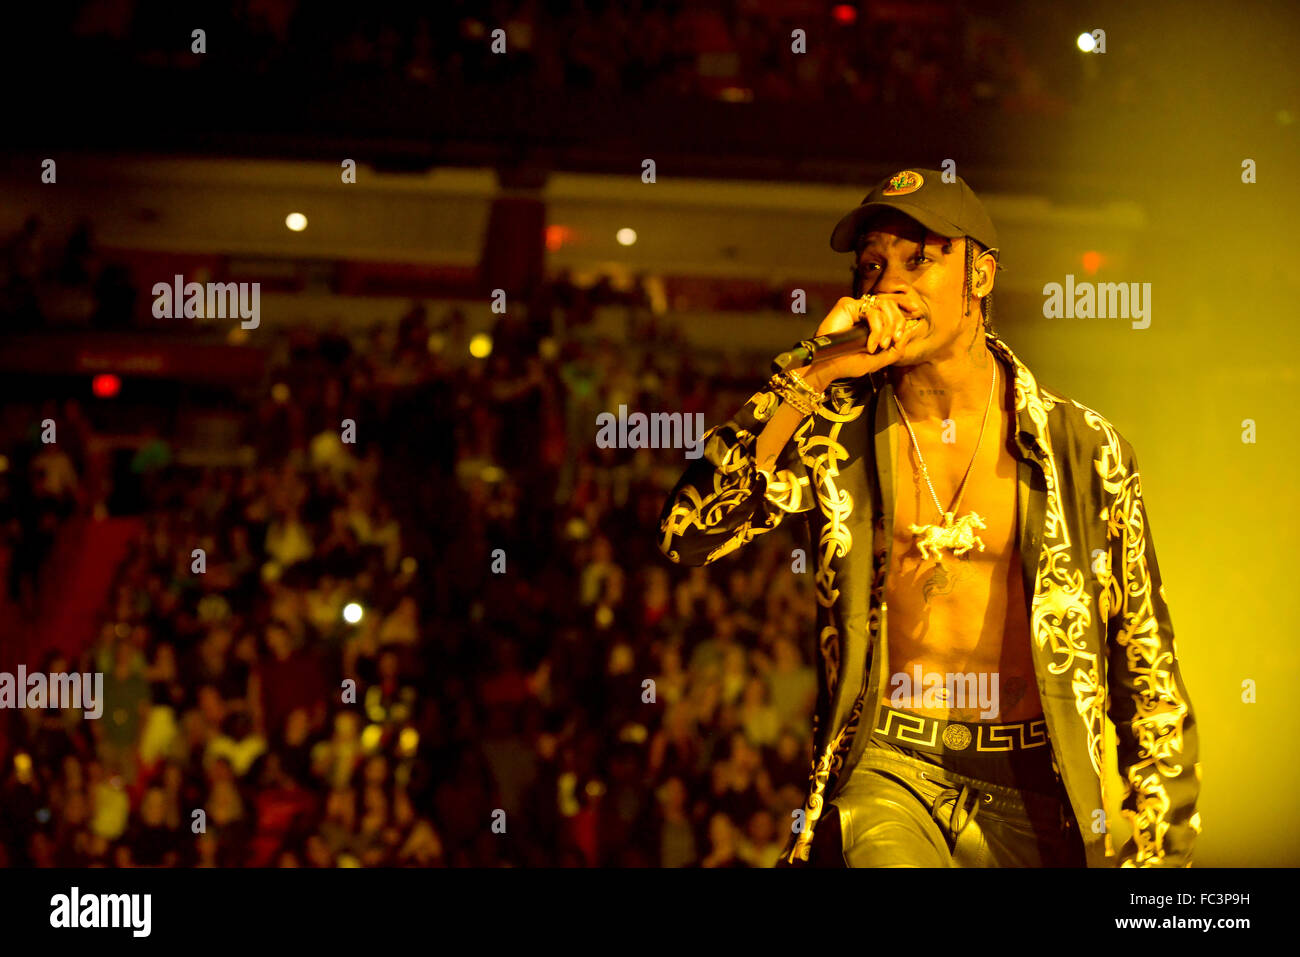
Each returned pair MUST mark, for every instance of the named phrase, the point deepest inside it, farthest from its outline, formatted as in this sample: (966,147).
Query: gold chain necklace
(958,536)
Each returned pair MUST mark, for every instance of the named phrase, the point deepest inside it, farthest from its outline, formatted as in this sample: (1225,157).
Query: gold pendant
(958,537)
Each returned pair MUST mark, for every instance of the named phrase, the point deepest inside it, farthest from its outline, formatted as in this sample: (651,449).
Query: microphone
(821,348)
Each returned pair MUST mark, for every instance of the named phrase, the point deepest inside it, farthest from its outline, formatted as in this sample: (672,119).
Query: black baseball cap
(948,209)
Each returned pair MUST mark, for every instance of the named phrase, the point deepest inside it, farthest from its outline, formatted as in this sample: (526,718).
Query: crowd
(43,274)
(529,682)
(932,54)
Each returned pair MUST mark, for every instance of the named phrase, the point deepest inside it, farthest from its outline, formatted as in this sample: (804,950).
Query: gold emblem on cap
(907,181)
(956,737)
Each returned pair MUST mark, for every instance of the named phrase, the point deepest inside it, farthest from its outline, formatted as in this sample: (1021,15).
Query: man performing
(986,580)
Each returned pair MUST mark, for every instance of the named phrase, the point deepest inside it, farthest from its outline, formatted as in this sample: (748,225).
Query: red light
(557,236)
(844,13)
(1092,261)
(106,386)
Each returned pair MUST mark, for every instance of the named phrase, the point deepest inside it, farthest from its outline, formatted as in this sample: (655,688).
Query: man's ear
(985,271)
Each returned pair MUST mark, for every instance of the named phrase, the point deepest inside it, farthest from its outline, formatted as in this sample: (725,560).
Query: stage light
(480,346)
(626,236)
(105,385)
(1092,261)
(844,13)
(557,237)
(352,613)
(296,221)
(280,393)
(1087,42)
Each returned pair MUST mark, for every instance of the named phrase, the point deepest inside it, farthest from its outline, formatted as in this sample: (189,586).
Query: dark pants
(897,810)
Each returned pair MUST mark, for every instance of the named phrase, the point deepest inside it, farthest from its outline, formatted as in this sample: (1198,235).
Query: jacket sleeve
(1148,702)
(724,499)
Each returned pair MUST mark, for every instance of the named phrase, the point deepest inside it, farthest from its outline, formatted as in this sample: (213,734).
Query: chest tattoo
(944,577)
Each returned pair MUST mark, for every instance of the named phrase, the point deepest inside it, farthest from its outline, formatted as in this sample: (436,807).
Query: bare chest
(956,602)
(949,472)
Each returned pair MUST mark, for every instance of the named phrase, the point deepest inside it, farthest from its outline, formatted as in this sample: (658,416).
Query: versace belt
(938,736)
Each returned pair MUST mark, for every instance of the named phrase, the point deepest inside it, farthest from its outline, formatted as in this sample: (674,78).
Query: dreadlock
(974,250)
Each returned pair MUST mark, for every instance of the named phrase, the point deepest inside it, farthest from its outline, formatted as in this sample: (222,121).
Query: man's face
(926,278)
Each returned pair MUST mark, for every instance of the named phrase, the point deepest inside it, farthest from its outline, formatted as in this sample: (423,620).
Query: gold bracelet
(793,381)
(795,401)
(800,383)
(795,392)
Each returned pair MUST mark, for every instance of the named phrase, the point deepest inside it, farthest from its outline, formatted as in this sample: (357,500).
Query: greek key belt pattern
(935,734)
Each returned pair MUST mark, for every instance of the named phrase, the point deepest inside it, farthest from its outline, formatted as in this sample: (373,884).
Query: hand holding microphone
(857,337)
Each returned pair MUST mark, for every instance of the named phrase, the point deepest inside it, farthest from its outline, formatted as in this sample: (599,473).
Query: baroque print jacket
(1102,641)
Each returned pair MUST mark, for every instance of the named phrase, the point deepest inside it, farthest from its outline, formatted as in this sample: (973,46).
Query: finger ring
(870,301)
